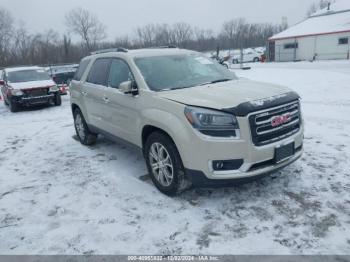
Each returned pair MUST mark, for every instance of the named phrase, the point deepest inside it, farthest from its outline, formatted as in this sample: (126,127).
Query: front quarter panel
(169,116)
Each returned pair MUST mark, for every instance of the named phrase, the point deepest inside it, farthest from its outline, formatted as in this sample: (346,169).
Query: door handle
(105,99)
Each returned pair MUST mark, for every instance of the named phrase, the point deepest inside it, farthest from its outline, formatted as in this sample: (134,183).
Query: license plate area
(284,152)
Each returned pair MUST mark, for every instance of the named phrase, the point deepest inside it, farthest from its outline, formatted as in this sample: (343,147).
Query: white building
(324,35)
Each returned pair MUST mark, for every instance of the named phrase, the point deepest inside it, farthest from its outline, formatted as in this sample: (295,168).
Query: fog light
(226,165)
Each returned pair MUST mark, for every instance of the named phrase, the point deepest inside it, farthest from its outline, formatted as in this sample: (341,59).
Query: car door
(93,92)
(123,113)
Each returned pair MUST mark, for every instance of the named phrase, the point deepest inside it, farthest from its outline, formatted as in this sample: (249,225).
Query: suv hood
(227,94)
(32,84)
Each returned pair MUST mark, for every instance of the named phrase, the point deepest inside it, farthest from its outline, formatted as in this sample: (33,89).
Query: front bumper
(33,100)
(199,153)
(199,179)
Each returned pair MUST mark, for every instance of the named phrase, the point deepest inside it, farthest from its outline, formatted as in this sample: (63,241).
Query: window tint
(343,41)
(291,46)
(99,71)
(81,69)
(119,73)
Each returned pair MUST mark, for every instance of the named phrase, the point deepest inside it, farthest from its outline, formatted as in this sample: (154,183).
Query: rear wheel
(86,137)
(165,165)
(235,61)
(13,106)
(256,59)
(58,99)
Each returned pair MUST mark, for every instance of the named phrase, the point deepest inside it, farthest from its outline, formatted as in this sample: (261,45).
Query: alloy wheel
(161,164)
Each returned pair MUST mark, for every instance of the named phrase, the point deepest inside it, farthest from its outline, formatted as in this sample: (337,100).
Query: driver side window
(119,72)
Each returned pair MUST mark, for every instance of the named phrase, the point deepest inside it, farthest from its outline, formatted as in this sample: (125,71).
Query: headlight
(54,89)
(212,123)
(16,92)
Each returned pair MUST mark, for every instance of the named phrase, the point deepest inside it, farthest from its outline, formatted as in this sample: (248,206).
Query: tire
(234,61)
(86,137)
(58,99)
(256,59)
(168,174)
(13,107)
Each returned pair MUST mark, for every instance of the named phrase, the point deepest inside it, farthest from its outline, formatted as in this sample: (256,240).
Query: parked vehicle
(28,86)
(249,55)
(194,120)
(62,75)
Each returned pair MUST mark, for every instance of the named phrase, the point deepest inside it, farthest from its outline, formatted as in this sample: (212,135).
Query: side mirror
(128,87)
(2,82)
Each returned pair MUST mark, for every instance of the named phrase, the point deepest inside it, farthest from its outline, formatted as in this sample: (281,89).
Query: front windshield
(181,71)
(27,76)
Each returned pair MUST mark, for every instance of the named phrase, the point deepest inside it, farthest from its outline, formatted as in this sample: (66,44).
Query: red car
(28,86)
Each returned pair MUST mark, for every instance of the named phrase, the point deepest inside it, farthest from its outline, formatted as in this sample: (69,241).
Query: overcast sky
(123,16)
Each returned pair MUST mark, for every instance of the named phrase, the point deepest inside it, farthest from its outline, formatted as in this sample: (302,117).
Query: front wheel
(86,137)
(13,106)
(164,164)
(256,59)
(58,99)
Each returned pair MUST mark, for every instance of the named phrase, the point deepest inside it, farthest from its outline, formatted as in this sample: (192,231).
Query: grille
(36,92)
(265,131)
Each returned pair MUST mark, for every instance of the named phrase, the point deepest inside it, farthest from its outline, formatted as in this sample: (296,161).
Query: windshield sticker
(204,61)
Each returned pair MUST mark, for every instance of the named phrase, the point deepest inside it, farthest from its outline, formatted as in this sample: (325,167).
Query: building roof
(323,22)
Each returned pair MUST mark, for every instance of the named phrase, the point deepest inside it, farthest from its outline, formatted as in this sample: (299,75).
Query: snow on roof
(14,69)
(325,23)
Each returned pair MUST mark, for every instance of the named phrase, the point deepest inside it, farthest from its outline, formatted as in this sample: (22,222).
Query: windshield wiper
(216,81)
(175,88)
(206,83)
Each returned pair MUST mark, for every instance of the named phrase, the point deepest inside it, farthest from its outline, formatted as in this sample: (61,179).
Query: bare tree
(146,35)
(182,34)
(318,6)
(6,29)
(85,24)
(233,31)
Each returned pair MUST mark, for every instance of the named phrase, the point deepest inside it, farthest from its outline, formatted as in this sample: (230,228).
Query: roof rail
(163,46)
(118,49)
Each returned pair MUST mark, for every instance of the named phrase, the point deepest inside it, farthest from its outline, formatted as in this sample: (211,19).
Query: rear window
(81,69)
(99,71)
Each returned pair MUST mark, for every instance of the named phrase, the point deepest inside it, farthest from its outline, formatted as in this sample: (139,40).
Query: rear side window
(81,69)
(99,71)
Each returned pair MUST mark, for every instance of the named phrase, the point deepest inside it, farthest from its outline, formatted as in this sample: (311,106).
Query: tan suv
(194,120)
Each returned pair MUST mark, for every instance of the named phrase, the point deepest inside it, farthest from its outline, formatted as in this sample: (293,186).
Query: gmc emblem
(280,120)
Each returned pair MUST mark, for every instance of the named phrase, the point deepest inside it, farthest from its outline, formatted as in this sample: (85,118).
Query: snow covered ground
(59,197)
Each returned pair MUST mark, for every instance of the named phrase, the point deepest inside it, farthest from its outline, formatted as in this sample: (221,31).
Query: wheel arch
(147,130)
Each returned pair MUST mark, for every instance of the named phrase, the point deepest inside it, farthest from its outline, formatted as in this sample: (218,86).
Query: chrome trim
(270,119)
(276,128)
(272,108)
(273,111)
